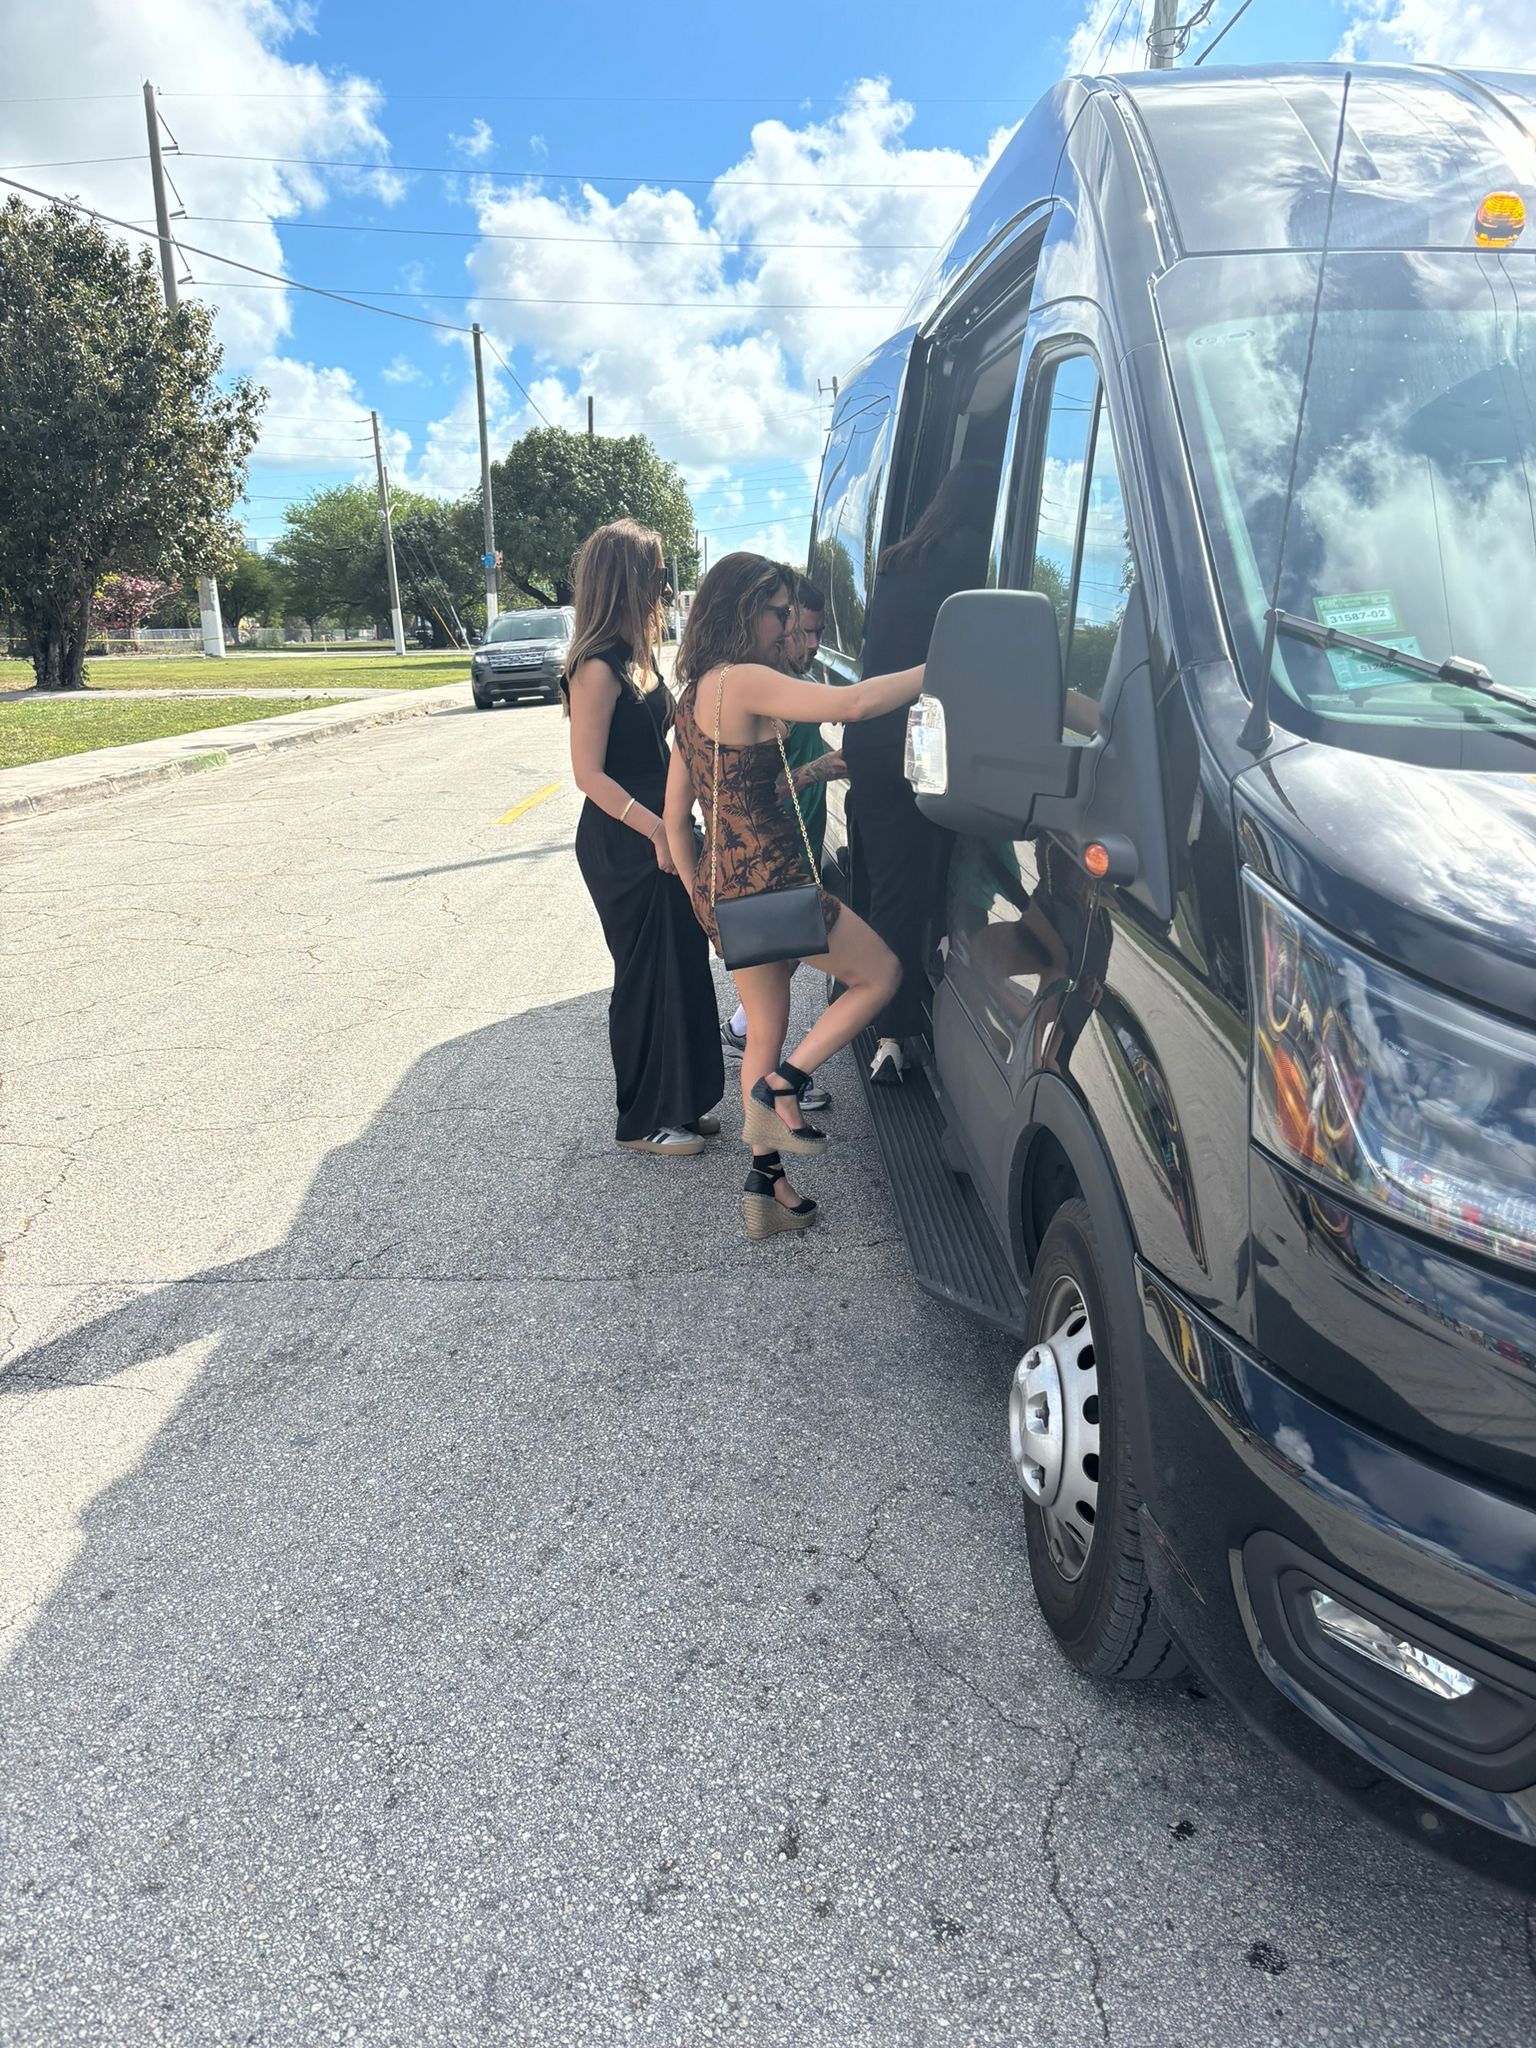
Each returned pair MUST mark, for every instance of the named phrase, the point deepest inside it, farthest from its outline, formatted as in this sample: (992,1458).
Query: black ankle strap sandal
(766,1215)
(767,1172)
(763,1125)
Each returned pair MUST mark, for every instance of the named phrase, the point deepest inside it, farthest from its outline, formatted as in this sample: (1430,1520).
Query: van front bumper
(1260,1497)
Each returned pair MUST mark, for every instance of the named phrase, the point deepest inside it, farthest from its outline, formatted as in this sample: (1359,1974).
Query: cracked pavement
(456,1590)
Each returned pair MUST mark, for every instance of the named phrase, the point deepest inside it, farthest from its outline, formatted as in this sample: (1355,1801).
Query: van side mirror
(984,739)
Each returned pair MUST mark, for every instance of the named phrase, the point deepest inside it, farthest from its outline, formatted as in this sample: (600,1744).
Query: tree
(123,603)
(252,588)
(554,487)
(331,558)
(118,449)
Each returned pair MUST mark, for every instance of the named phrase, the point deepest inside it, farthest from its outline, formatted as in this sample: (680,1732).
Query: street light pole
(389,541)
(207,588)
(487,513)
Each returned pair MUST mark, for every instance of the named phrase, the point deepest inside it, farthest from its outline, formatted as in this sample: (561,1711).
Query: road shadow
(512,1608)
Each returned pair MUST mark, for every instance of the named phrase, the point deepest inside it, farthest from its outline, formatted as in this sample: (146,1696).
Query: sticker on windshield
(1373,615)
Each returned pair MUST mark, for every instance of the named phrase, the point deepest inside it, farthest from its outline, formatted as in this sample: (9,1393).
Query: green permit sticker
(1372,614)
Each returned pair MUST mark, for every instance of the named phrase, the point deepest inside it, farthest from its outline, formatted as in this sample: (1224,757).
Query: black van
(1230,1104)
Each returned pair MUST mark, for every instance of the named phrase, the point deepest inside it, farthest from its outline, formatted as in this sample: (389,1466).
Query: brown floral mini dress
(760,846)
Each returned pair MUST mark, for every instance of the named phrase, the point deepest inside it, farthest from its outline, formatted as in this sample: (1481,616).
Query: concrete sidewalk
(111,771)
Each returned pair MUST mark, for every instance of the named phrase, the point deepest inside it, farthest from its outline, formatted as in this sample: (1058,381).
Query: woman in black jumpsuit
(900,859)
(663,1025)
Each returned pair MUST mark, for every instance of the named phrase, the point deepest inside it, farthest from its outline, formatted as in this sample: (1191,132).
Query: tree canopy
(331,558)
(553,487)
(119,450)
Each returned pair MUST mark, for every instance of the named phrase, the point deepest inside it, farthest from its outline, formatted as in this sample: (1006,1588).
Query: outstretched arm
(772,694)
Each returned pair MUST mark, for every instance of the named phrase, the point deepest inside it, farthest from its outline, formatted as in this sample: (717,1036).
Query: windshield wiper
(1456,668)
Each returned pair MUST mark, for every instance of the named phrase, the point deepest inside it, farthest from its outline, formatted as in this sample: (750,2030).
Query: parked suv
(1229,1108)
(522,656)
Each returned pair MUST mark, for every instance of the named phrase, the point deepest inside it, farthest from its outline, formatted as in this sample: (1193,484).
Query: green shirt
(804,744)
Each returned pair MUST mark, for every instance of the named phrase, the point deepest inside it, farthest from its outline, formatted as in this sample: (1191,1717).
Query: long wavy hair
(618,578)
(963,503)
(722,621)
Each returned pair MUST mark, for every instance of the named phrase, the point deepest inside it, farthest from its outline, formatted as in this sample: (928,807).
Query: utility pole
(389,541)
(1163,45)
(589,415)
(822,389)
(487,512)
(207,588)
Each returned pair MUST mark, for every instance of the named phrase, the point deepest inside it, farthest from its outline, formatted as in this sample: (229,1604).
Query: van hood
(1433,869)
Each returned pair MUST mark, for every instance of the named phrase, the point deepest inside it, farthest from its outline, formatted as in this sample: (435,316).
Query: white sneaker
(668,1142)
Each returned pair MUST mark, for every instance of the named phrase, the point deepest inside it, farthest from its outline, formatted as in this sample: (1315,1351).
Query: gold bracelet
(628,808)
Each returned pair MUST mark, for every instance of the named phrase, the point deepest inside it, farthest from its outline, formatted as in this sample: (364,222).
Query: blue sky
(728,207)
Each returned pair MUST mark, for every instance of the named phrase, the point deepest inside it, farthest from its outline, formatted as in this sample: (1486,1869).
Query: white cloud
(478,142)
(1108,38)
(253,101)
(705,321)
(401,371)
(1475,35)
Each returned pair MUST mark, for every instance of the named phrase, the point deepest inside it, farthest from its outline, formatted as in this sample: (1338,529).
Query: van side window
(1081,556)
(1105,578)
(842,558)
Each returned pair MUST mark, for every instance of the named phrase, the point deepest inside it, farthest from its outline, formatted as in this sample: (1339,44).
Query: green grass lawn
(42,731)
(417,671)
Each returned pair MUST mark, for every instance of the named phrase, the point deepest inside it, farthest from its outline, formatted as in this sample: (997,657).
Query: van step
(954,1249)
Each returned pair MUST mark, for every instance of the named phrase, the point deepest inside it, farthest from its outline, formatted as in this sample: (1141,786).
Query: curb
(233,743)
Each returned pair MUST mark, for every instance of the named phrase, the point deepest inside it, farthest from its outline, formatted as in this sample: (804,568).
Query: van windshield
(1414,512)
(530,626)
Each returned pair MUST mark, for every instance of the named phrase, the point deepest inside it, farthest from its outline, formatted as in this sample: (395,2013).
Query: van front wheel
(1072,1458)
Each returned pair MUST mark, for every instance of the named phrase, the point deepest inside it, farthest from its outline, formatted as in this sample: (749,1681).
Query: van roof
(1245,156)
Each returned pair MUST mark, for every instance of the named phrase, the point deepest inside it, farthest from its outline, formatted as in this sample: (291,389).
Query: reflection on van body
(1230,344)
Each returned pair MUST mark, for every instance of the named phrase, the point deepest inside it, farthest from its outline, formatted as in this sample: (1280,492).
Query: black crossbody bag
(775,924)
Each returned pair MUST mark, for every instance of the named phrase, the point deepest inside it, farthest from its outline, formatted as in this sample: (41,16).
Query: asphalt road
(456,1590)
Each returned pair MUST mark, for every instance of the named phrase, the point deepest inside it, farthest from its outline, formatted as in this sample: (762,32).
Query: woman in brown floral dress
(732,687)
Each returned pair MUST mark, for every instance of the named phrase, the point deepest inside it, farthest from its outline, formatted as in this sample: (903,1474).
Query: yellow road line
(539,796)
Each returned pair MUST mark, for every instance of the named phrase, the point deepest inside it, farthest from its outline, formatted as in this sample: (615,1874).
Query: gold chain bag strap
(774,924)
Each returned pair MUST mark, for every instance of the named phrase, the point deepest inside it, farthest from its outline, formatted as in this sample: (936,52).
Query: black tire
(483,703)
(1104,1616)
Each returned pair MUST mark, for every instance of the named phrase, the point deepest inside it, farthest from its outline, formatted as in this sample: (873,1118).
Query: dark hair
(722,620)
(963,503)
(809,598)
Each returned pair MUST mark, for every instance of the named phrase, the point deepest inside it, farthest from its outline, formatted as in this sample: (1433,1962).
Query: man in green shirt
(811,763)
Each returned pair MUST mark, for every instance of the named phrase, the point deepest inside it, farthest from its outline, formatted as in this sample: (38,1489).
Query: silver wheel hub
(1053,1428)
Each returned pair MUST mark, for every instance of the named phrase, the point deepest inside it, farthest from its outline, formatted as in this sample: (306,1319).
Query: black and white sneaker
(734,1046)
(815,1099)
(667,1143)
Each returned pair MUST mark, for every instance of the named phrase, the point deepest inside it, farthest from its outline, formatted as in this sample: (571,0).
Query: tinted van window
(844,550)
(1081,556)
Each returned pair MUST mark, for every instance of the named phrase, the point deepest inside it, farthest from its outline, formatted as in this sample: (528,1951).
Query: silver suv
(522,656)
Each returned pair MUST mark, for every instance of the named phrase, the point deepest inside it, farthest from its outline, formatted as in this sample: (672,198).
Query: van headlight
(1401,1097)
(926,764)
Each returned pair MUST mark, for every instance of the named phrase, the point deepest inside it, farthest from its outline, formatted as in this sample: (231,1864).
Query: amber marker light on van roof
(1500,220)
(1096,860)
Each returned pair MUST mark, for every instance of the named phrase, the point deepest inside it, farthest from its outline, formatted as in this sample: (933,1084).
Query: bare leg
(764,995)
(870,975)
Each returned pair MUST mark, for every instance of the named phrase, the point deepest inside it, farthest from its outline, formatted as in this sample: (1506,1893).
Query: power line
(775,519)
(745,307)
(324,163)
(1225,28)
(527,394)
(337,227)
(583,99)
(213,256)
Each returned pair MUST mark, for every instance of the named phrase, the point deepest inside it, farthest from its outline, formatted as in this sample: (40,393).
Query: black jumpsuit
(663,1024)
